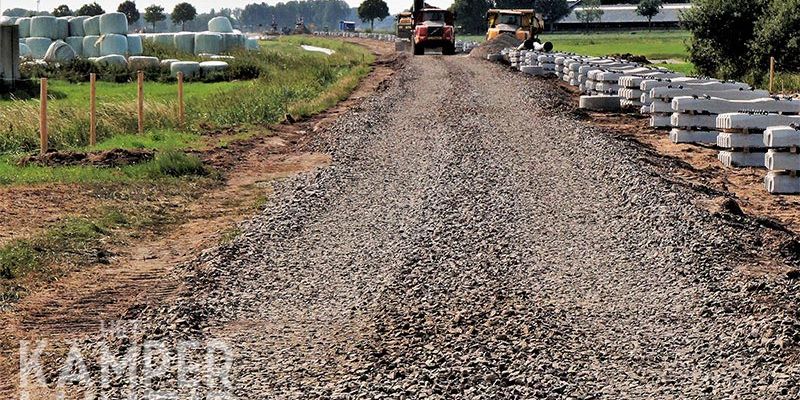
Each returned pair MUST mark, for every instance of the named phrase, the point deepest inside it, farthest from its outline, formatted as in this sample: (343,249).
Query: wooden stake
(43,136)
(140,101)
(92,109)
(181,107)
(771,73)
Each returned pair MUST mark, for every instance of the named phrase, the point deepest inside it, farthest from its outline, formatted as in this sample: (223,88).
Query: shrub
(721,34)
(176,164)
(778,35)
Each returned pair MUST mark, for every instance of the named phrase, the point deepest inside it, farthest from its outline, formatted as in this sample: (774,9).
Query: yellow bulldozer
(524,24)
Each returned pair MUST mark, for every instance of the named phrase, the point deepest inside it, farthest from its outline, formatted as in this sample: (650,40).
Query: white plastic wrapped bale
(165,39)
(220,25)
(207,42)
(252,44)
(44,26)
(24,27)
(59,51)
(76,43)
(91,46)
(142,62)
(184,42)
(168,62)
(25,51)
(112,60)
(207,67)
(91,26)
(6,20)
(189,68)
(231,41)
(135,47)
(76,26)
(113,44)
(62,28)
(113,23)
(38,46)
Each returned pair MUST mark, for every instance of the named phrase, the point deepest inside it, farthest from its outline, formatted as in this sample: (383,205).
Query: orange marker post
(92,109)
(181,106)
(43,134)
(140,101)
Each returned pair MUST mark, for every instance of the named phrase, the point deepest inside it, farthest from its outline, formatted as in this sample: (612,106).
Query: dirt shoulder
(138,272)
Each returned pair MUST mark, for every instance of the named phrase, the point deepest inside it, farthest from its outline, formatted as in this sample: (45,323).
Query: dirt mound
(500,42)
(106,158)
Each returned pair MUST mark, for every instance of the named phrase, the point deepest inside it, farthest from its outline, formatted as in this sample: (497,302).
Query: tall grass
(288,76)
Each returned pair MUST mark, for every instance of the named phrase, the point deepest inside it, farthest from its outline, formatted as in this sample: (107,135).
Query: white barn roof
(626,13)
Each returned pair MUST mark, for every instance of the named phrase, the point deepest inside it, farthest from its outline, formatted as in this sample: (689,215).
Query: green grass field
(293,81)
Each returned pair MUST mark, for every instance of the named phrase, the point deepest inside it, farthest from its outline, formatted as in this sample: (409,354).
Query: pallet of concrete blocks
(661,105)
(609,81)
(782,159)
(648,85)
(548,63)
(630,86)
(741,135)
(514,58)
(694,119)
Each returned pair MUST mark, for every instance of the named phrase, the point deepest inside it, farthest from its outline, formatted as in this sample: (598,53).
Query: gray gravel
(474,239)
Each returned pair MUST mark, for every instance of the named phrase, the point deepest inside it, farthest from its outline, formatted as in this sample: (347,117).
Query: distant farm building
(624,16)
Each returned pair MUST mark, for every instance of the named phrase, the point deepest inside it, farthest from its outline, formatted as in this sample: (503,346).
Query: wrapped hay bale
(189,68)
(76,26)
(135,47)
(38,46)
(113,23)
(76,43)
(252,44)
(25,51)
(184,42)
(24,27)
(45,26)
(207,67)
(165,39)
(140,62)
(91,26)
(59,51)
(112,60)
(207,42)
(220,25)
(168,62)
(91,47)
(231,42)
(62,27)
(6,20)
(113,43)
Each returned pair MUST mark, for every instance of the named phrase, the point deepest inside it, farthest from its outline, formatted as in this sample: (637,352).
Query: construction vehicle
(523,24)
(405,25)
(433,28)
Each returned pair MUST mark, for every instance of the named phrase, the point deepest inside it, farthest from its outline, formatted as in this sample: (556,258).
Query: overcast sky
(201,5)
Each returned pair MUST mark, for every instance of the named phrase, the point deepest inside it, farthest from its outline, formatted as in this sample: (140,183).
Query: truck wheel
(418,50)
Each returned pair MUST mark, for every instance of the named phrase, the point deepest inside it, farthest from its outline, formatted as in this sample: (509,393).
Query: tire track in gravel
(469,240)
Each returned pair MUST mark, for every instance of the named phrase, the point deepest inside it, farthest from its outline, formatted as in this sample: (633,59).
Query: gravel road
(475,238)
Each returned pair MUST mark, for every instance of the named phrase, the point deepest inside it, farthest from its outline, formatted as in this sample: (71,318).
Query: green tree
(129,9)
(183,13)
(90,10)
(777,35)
(649,9)
(62,11)
(154,14)
(513,4)
(471,15)
(370,10)
(552,10)
(722,31)
(590,12)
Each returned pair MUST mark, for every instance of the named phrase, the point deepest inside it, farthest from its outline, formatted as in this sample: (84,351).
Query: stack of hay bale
(219,38)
